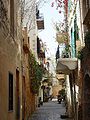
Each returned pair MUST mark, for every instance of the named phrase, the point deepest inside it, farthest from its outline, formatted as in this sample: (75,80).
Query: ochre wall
(55,90)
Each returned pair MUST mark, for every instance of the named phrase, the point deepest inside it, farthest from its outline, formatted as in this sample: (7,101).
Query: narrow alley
(44,59)
(49,111)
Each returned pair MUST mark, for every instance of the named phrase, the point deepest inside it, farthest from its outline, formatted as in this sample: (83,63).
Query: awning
(66,65)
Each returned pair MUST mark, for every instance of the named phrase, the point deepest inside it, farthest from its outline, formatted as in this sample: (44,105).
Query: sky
(48,35)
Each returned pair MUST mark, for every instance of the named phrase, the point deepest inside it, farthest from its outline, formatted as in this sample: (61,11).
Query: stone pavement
(49,111)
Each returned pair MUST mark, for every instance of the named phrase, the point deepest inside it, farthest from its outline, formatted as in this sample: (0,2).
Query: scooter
(59,101)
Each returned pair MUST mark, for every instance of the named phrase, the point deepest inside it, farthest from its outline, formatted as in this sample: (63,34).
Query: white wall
(30,23)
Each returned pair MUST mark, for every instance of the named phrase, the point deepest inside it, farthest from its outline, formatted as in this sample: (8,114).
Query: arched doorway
(86,98)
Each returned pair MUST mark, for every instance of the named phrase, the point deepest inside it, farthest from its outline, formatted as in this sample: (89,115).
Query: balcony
(86,12)
(66,65)
(40,21)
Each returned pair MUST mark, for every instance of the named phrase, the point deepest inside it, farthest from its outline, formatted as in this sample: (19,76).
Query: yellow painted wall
(55,90)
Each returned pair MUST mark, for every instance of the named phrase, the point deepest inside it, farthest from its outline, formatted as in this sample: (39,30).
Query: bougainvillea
(62,7)
(60,4)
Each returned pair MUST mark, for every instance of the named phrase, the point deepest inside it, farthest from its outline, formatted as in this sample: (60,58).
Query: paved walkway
(49,111)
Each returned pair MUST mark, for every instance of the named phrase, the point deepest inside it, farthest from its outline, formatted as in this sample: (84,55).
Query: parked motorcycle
(59,99)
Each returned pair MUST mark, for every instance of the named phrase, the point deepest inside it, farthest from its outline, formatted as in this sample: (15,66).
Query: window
(10,106)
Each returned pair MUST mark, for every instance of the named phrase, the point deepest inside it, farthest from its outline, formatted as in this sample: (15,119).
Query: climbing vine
(35,73)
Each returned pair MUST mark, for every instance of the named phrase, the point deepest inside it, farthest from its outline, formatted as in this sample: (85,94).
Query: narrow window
(10,106)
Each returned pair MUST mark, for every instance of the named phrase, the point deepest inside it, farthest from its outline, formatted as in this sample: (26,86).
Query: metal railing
(40,16)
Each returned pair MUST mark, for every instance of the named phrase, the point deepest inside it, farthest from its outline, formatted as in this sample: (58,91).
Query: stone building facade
(85,62)
(10,61)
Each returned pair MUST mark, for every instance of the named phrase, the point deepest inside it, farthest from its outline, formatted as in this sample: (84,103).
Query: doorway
(86,98)
(23,98)
(17,96)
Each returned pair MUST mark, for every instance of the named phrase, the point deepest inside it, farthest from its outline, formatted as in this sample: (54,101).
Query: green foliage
(80,55)
(66,51)
(35,73)
(57,28)
(67,48)
(62,92)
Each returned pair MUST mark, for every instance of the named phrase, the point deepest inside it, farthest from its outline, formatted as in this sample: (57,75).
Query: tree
(28,12)
(35,73)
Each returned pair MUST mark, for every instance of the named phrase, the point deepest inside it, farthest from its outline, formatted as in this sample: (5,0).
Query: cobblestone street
(49,111)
